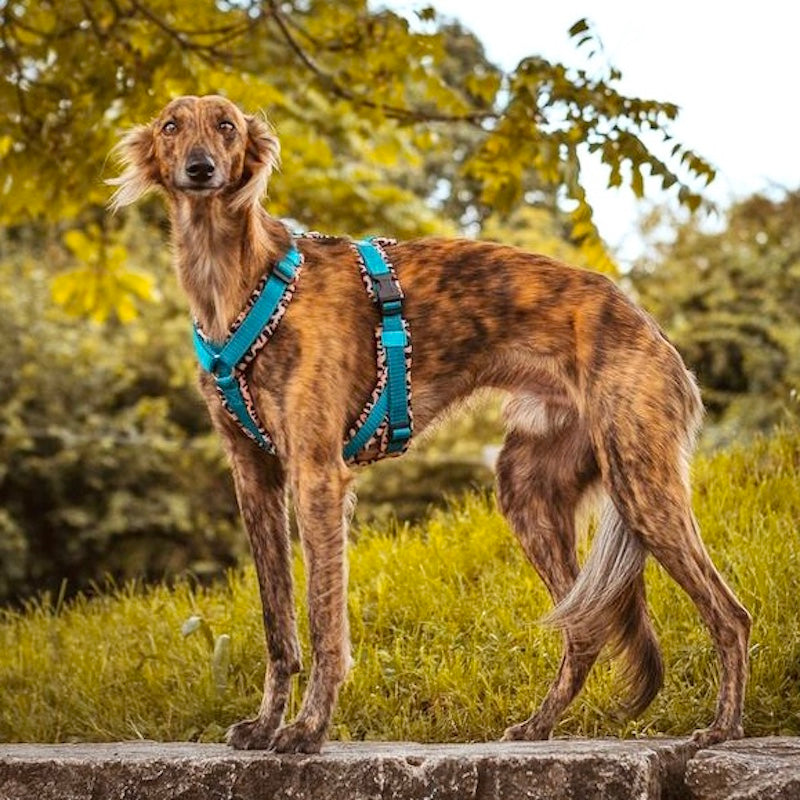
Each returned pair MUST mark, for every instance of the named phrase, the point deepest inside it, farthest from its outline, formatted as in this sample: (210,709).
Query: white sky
(733,68)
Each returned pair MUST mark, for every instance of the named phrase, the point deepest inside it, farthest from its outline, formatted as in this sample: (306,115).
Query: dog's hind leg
(648,480)
(261,491)
(544,469)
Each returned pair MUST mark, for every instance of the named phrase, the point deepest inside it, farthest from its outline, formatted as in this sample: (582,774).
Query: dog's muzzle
(199,168)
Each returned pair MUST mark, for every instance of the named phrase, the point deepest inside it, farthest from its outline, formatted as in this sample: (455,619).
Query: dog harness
(384,427)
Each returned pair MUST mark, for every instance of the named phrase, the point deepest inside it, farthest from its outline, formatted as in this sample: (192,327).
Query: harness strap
(393,400)
(225,360)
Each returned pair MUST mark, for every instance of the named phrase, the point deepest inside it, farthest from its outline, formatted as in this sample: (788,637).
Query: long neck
(220,256)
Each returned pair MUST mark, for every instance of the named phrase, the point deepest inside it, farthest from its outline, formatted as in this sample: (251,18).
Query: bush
(109,468)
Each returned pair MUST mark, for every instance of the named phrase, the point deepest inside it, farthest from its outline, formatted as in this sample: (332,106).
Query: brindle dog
(598,399)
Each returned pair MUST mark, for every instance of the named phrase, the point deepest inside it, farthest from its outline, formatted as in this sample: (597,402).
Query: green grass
(445,640)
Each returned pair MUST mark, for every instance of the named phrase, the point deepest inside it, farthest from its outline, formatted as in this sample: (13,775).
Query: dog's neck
(220,256)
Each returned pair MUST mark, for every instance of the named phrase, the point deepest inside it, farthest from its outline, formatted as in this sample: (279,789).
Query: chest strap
(226,361)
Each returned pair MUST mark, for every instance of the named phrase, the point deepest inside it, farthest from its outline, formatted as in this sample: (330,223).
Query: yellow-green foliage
(445,640)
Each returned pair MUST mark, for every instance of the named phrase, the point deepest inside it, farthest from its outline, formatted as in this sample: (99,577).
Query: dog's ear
(136,152)
(262,155)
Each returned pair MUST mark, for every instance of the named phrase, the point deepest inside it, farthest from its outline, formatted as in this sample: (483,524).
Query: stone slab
(750,769)
(601,769)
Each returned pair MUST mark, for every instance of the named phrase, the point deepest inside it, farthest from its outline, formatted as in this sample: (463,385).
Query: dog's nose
(199,166)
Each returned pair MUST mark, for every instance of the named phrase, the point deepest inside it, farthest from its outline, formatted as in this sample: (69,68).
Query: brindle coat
(598,399)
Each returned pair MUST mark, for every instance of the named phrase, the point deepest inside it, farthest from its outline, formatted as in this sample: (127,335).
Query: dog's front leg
(261,491)
(320,493)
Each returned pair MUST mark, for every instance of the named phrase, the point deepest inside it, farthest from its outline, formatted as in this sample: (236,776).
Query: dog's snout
(199,166)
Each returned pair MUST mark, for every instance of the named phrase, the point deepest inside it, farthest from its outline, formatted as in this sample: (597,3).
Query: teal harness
(385,425)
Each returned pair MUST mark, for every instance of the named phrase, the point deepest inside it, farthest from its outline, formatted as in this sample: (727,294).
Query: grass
(445,641)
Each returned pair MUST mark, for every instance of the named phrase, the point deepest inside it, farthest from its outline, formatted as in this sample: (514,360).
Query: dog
(599,402)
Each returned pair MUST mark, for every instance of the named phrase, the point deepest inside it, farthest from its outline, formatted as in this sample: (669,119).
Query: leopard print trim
(274,320)
(377,446)
(317,235)
(265,442)
(240,369)
(365,455)
(381,243)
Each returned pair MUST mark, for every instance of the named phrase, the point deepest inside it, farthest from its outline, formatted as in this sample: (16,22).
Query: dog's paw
(705,737)
(528,731)
(249,734)
(297,738)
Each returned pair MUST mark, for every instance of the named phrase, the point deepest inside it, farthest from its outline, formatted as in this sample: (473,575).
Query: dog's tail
(607,605)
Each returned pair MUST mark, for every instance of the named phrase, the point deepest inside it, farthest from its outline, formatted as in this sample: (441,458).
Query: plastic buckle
(401,434)
(284,272)
(387,293)
(286,268)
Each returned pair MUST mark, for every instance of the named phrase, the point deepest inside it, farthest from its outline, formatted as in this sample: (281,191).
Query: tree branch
(208,52)
(330,82)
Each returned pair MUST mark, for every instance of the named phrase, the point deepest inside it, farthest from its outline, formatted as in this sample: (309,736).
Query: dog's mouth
(199,189)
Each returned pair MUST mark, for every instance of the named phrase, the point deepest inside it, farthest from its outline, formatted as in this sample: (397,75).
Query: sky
(733,68)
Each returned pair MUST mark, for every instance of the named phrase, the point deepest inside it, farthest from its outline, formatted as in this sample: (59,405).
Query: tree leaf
(578,27)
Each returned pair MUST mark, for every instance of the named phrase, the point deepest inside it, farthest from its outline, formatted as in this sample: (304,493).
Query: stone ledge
(569,769)
(752,769)
(562,769)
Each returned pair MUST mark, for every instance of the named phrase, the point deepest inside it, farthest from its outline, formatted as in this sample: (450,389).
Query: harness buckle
(387,293)
(286,268)
(283,272)
(398,436)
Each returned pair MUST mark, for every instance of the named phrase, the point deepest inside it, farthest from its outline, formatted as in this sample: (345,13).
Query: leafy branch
(423,118)
(330,83)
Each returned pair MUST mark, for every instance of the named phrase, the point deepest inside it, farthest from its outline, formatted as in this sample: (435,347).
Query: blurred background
(653,144)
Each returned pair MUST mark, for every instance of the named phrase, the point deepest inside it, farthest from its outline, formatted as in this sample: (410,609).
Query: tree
(360,99)
(731,302)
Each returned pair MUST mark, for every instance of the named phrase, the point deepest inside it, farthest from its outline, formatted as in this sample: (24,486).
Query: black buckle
(387,292)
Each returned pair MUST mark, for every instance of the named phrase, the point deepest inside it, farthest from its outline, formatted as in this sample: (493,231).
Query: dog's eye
(226,126)
(170,127)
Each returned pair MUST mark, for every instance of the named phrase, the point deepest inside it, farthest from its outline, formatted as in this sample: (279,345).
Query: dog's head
(198,147)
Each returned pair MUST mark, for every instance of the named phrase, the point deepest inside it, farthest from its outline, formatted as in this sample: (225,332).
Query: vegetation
(383,127)
(445,640)
(109,471)
(730,299)
(108,464)
(110,467)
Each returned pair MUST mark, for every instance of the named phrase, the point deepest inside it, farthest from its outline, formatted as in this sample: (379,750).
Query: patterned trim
(258,344)
(317,235)
(381,242)
(378,439)
(266,442)
(251,301)
(377,446)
